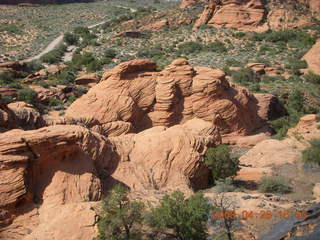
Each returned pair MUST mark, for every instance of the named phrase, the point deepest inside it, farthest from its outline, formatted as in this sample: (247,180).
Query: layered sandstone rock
(312,57)
(87,78)
(26,115)
(61,167)
(7,117)
(253,15)
(241,14)
(134,97)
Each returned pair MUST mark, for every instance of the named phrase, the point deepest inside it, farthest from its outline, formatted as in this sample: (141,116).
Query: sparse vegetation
(274,184)
(312,153)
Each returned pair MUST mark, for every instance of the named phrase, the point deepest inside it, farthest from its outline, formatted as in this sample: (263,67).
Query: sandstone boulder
(26,115)
(312,57)
(7,117)
(87,78)
(138,97)
(240,14)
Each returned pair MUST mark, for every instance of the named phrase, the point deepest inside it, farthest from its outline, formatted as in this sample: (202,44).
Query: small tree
(224,204)
(220,163)
(121,217)
(179,218)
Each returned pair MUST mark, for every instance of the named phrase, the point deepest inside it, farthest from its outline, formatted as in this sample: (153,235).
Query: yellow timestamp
(261,214)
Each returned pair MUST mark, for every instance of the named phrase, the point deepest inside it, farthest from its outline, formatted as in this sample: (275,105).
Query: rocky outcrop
(133,97)
(312,57)
(27,117)
(87,79)
(247,14)
(255,15)
(156,25)
(239,14)
(43,74)
(260,160)
(7,117)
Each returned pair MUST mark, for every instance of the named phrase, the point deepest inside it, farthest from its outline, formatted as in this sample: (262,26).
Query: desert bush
(81,30)
(179,217)
(34,66)
(294,105)
(55,55)
(150,52)
(10,28)
(27,95)
(6,78)
(312,153)
(225,186)
(220,163)
(110,53)
(71,39)
(285,36)
(274,184)
(94,66)
(294,65)
(244,76)
(190,47)
(312,78)
(217,46)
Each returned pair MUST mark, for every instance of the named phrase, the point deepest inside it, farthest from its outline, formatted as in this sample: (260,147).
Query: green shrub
(150,52)
(312,78)
(225,186)
(81,30)
(110,53)
(55,55)
(285,36)
(274,185)
(220,164)
(6,78)
(245,76)
(10,28)
(94,66)
(295,108)
(71,39)
(34,66)
(295,65)
(312,153)
(121,218)
(27,95)
(217,46)
(190,47)
(177,216)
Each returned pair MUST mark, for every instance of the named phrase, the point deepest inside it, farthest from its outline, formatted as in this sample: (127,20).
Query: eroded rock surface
(133,97)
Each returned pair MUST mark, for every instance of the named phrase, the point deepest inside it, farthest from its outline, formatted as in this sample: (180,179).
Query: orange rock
(312,57)
(87,78)
(7,117)
(140,97)
(239,14)
(156,26)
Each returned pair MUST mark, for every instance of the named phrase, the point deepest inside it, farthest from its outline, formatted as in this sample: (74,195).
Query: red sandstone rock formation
(133,97)
(251,14)
(65,168)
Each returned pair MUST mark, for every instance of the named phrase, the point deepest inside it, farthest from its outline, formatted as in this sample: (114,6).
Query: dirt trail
(59,39)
